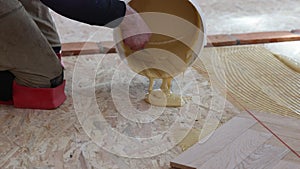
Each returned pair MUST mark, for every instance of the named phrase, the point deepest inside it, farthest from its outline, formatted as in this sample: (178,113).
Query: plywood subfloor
(243,143)
(55,139)
(62,139)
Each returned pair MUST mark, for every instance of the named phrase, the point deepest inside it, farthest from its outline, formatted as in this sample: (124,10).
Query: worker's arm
(109,13)
(135,31)
(94,12)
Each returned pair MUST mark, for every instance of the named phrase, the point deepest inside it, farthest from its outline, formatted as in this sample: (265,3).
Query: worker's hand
(135,31)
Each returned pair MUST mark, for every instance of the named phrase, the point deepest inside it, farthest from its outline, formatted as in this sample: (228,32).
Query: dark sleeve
(94,12)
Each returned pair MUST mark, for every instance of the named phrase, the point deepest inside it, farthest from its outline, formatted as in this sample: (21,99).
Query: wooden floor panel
(274,118)
(218,141)
(265,156)
(252,146)
(237,151)
(286,165)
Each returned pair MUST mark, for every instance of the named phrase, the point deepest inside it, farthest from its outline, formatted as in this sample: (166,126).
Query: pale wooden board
(287,165)
(273,118)
(292,157)
(266,156)
(281,130)
(237,151)
(218,141)
(294,144)
(289,135)
(287,128)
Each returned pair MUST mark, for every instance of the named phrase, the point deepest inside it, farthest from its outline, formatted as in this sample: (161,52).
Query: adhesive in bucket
(174,45)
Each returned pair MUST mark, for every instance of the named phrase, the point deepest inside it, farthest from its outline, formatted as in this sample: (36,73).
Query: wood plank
(201,152)
(76,48)
(273,118)
(85,48)
(287,165)
(266,156)
(292,157)
(70,49)
(221,40)
(284,135)
(266,37)
(285,127)
(236,152)
(280,130)
(293,143)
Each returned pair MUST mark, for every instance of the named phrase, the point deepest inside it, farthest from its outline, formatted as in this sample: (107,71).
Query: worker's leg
(27,54)
(24,50)
(41,16)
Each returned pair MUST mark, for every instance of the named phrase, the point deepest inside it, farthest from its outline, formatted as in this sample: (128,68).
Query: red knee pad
(38,98)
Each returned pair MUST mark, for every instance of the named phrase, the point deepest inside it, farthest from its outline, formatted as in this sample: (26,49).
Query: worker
(31,74)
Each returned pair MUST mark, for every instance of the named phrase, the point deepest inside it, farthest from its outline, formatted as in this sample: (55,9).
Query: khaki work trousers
(27,35)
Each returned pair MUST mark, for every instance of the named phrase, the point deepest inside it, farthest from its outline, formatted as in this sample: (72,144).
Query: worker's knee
(42,79)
